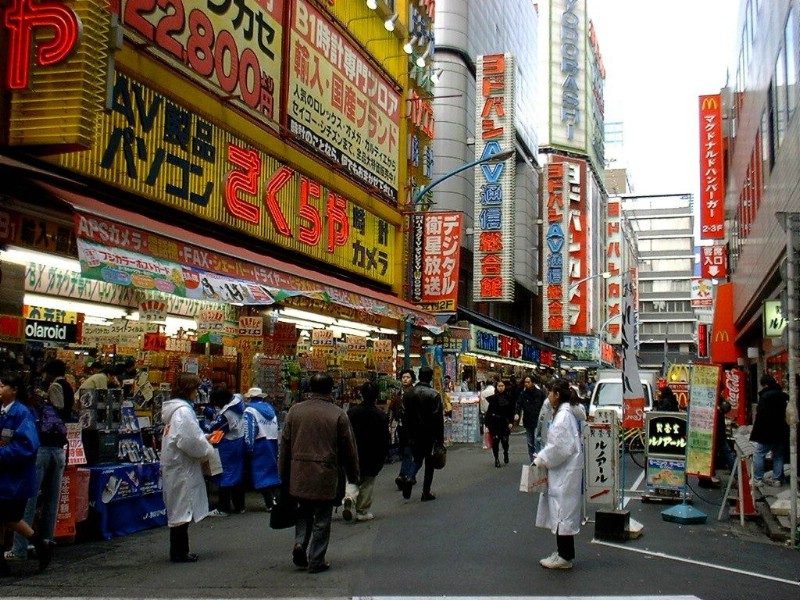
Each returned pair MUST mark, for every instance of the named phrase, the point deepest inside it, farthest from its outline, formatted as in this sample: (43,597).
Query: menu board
(703,391)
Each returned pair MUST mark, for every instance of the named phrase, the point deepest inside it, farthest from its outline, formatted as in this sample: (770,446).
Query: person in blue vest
(261,445)
(230,420)
(19,444)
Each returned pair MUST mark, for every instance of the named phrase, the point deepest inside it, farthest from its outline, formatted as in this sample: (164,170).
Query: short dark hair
(564,391)
(410,372)
(184,385)
(369,392)
(425,374)
(12,379)
(321,383)
(55,367)
(220,395)
(768,380)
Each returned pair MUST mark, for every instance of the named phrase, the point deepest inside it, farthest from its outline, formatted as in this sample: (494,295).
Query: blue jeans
(413,463)
(50,462)
(777,460)
(530,434)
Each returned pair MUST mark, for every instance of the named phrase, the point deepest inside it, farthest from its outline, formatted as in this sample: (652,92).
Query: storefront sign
(251,326)
(632,389)
(494,181)
(701,292)
(151,146)
(714,261)
(121,332)
(736,394)
(702,419)
(774,319)
(489,342)
(435,258)
(578,294)
(233,48)
(36,233)
(666,434)
(339,105)
(12,329)
(666,474)
(46,331)
(601,463)
(556,261)
(50,314)
(58,54)
(613,330)
(152,310)
(712,169)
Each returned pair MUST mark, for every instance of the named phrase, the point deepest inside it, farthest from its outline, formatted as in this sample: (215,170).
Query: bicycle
(632,440)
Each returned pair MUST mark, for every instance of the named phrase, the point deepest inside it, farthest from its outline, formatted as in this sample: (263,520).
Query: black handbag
(284,513)
(439,456)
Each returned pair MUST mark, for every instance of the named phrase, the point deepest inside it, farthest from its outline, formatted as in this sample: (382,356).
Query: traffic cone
(746,505)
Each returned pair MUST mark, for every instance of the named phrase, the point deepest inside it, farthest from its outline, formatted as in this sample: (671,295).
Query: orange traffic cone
(746,505)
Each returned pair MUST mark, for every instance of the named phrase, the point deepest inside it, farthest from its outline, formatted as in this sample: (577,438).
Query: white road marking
(698,562)
(526,597)
(634,487)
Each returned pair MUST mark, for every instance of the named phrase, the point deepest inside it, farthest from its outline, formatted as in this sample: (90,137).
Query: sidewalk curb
(775,531)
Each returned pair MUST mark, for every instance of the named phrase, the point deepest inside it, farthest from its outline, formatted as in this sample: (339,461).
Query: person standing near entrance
(317,449)
(770,430)
(529,405)
(560,507)
(261,445)
(424,423)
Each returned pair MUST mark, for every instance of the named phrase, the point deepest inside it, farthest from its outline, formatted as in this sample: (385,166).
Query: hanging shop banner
(150,145)
(251,326)
(554,305)
(579,291)
(632,389)
(48,331)
(714,261)
(231,48)
(41,313)
(152,310)
(702,419)
(58,55)
(702,292)
(494,181)
(120,332)
(435,252)
(712,169)
(613,331)
(339,105)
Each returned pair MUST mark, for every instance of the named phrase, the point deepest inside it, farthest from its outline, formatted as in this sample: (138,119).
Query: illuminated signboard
(702,417)
(714,261)
(230,47)
(597,75)
(57,96)
(712,169)
(613,258)
(494,181)
(150,145)
(505,346)
(435,257)
(339,105)
(577,247)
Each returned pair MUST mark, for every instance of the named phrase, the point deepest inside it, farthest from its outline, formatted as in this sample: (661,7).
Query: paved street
(476,540)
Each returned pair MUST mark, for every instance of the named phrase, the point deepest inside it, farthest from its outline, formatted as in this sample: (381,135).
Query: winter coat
(261,443)
(770,425)
(19,444)
(231,446)
(317,443)
(184,448)
(529,405)
(560,506)
(424,418)
(371,428)
(499,414)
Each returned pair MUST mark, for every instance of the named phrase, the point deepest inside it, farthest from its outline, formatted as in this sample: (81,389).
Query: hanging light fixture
(423,57)
(389,23)
(372,4)
(437,74)
(408,47)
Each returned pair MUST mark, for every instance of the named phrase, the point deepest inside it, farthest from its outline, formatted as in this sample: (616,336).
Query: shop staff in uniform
(261,445)
(184,449)
(230,420)
(18,446)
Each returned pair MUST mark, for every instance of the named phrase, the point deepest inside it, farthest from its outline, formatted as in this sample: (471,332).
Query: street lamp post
(600,337)
(498,157)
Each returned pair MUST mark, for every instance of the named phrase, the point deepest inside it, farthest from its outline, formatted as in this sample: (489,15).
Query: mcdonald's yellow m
(722,336)
(710,102)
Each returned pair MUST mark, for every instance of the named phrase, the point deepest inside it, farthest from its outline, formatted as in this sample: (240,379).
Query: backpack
(50,426)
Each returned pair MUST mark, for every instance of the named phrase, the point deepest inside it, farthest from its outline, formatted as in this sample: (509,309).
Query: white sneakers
(554,561)
(347,511)
(217,513)
(364,516)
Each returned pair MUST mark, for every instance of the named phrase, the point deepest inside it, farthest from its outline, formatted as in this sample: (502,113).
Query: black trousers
(566,546)
(233,494)
(179,541)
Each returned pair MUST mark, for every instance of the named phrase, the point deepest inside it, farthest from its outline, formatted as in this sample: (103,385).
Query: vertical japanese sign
(435,252)
(494,181)
(714,261)
(339,105)
(702,418)
(632,389)
(578,293)
(712,174)
(555,267)
(601,463)
(613,330)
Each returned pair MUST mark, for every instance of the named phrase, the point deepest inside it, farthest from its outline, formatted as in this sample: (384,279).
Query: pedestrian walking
(371,429)
(500,420)
(317,452)
(770,431)
(184,448)
(231,450)
(19,444)
(667,401)
(395,408)
(560,506)
(529,405)
(261,445)
(424,424)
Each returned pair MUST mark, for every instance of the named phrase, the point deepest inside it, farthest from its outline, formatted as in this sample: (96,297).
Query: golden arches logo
(722,336)
(678,373)
(710,102)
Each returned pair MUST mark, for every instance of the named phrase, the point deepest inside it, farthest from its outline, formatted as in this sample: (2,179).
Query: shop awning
(501,327)
(285,278)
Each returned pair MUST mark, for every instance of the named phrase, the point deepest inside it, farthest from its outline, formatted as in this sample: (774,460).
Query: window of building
(767,147)
(780,99)
(669,223)
(667,328)
(665,245)
(790,41)
(657,265)
(665,306)
(665,286)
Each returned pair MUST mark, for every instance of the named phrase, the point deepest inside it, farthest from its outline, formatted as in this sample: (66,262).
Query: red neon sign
(21,18)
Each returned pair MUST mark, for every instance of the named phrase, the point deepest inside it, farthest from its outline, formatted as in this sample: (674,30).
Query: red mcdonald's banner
(723,329)
(712,174)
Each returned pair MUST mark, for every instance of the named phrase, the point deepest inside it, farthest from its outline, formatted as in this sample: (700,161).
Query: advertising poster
(665,473)
(702,415)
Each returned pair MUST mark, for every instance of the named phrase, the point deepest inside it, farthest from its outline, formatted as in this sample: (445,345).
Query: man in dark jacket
(371,428)
(317,444)
(424,423)
(529,404)
(770,430)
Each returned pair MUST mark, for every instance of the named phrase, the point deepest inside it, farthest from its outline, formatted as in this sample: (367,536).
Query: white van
(607,393)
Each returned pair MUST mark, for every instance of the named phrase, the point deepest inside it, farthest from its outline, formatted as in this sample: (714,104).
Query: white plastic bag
(533,479)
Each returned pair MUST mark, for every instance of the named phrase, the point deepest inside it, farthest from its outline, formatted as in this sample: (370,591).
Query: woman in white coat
(184,448)
(562,455)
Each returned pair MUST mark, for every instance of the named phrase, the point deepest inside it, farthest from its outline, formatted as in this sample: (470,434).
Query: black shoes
(398,481)
(427,497)
(189,557)
(497,462)
(505,458)
(320,568)
(44,550)
(4,570)
(407,485)
(299,557)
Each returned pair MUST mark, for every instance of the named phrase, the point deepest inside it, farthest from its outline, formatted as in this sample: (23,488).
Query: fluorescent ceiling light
(338,331)
(301,323)
(307,316)
(173,324)
(89,309)
(25,257)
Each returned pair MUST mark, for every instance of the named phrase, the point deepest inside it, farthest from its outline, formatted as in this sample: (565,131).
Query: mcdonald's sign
(712,174)
(723,337)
